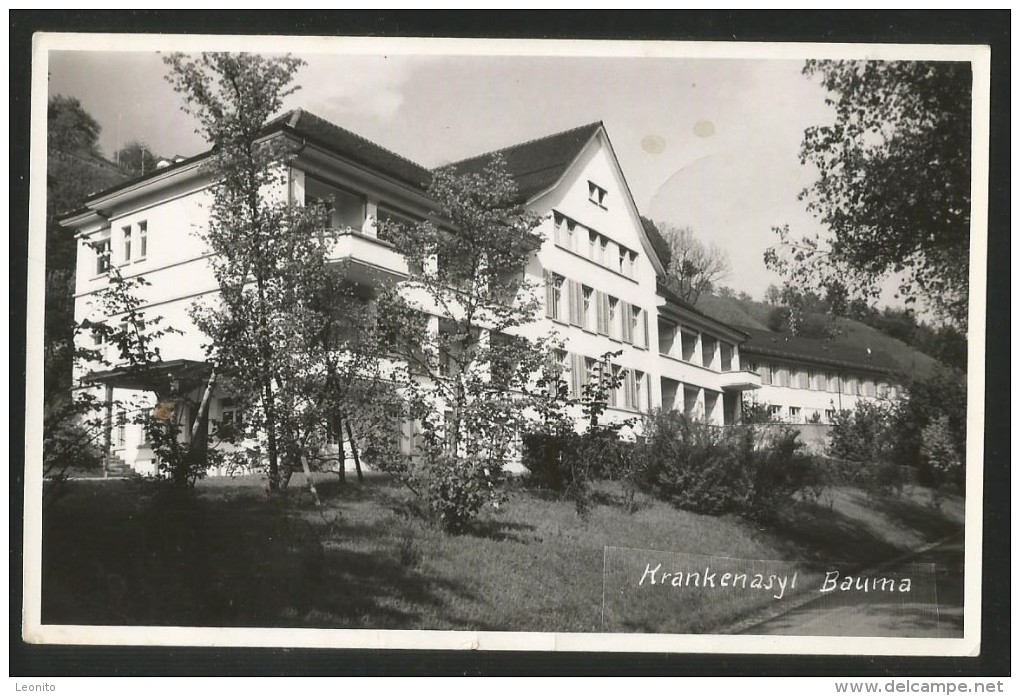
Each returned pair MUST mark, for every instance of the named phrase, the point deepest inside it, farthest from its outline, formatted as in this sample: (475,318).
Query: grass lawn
(131,552)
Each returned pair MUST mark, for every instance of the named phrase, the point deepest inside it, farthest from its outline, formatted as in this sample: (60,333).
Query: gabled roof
(316,130)
(816,350)
(536,164)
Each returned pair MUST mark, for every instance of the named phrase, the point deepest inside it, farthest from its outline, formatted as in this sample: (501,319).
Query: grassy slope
(911,361)
(125,552)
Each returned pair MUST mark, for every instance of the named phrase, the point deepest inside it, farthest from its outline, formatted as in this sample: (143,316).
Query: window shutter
(628,385)
(574,290)
(550,295)
(626,334)
(602,312)
(576,374)
(644,320)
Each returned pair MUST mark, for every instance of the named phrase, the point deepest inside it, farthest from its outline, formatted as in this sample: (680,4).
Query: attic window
(596,194)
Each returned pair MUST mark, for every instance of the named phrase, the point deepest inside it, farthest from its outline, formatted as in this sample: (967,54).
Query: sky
(707,142)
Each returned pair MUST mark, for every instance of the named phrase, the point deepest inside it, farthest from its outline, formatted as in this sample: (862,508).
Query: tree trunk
(274,462)
(204,406)
(354,451)
(342,456)
(308,478)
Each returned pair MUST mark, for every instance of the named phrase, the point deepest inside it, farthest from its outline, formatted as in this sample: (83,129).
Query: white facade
(801,391)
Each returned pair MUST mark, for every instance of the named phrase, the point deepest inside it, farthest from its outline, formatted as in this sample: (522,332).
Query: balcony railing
(739,380)
(364,250)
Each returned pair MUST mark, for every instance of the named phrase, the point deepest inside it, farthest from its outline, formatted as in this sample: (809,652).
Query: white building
(600,268)
(806,380)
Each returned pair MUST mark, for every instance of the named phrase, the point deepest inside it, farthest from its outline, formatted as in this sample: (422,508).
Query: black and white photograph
(638,346)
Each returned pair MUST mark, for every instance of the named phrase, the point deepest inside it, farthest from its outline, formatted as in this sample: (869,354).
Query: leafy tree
(942,393)
(74,169)
(136,159)
(694,267)
(232,96)
(893,186)
(458,325)
(76,426)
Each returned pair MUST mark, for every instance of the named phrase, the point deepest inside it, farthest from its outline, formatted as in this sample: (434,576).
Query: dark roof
(352,146)
(816,350)
(319,131)
(537,164)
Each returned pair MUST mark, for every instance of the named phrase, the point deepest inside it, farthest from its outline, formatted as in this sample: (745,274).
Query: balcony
(370,256)
(740,380)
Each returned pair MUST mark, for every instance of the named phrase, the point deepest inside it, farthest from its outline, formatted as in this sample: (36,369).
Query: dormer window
(596,194)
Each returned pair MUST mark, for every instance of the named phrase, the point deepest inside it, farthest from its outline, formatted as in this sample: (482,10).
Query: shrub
(688,463)
(711,470)
(938,453)
(776,469)
(454,489)
(864,434)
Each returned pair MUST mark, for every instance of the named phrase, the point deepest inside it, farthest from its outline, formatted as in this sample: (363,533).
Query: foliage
(76,424)
(946,343)
(942,394)
(893,186)
(269,261)
(939,452)
(454,489)
(754,412)
(562,459)
(455,324)
(74,169)
(136,159)
(864,434)
(750,470)
(694,267)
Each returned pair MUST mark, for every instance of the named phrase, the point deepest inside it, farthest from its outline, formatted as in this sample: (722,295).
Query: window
(557,297)
(618,381)
(775,411)
(803,379)
(127,243)
(869,387)
(603,253)
(593,245)
(596,194)
(795,414)
(143,240)
(830,415)
(102,247)
(639,391)
(587,308)
(725,357)
(621,260)
(345,209)
(120,439)
(832,382)
(614,318)
(637,334)
(765,372)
